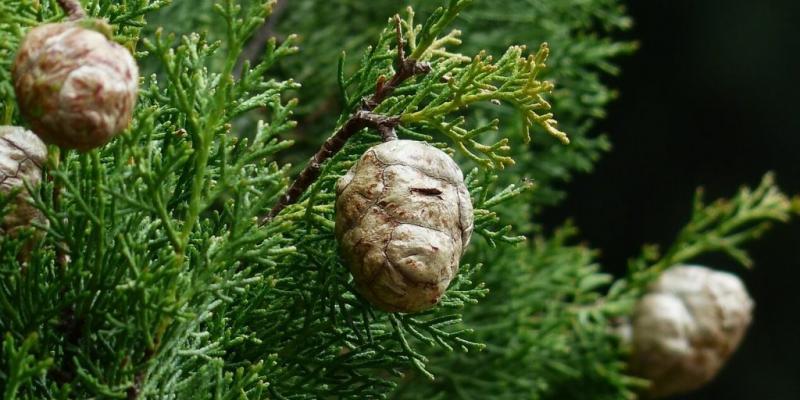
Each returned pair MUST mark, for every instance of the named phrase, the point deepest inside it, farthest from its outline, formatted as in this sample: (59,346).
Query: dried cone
(403,220)
(22,155)
(687,326)
(75,87)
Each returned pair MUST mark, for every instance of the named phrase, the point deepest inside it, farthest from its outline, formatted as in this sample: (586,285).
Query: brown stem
(387,132)
(73,8)
(406,68)
(362,118)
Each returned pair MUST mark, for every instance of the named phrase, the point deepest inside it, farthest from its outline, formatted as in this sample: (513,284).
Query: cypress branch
(360,119)
(172,288)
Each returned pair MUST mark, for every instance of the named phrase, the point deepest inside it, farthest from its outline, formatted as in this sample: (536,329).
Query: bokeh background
(710,99)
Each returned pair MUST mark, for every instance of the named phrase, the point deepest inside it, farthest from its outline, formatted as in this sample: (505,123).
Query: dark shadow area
(709,100)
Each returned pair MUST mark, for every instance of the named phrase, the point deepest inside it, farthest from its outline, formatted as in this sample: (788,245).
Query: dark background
(710,99)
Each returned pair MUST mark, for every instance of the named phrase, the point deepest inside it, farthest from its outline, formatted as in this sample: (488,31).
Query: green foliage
(579,33)
(20,365)
(549,320)
(148,237)
(512,79)
(153,279)
(721,227)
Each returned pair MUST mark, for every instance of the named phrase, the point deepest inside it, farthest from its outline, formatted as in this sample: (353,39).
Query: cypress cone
(22,155)
(403,220)
(75,87)
(687,326)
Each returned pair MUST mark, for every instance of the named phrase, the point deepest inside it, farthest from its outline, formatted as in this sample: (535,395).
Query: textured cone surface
(22,155)
(76,88)
(687,326)
(403,220)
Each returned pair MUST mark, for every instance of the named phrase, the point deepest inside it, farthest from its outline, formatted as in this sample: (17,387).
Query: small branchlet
(483,184)
(360,119)
(24,365)
(723,226)
(512,79)
(447,89)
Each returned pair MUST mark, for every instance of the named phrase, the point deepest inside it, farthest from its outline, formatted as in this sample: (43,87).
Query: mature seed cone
(687,326)
(75,87)
(403,220)
(22,155)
